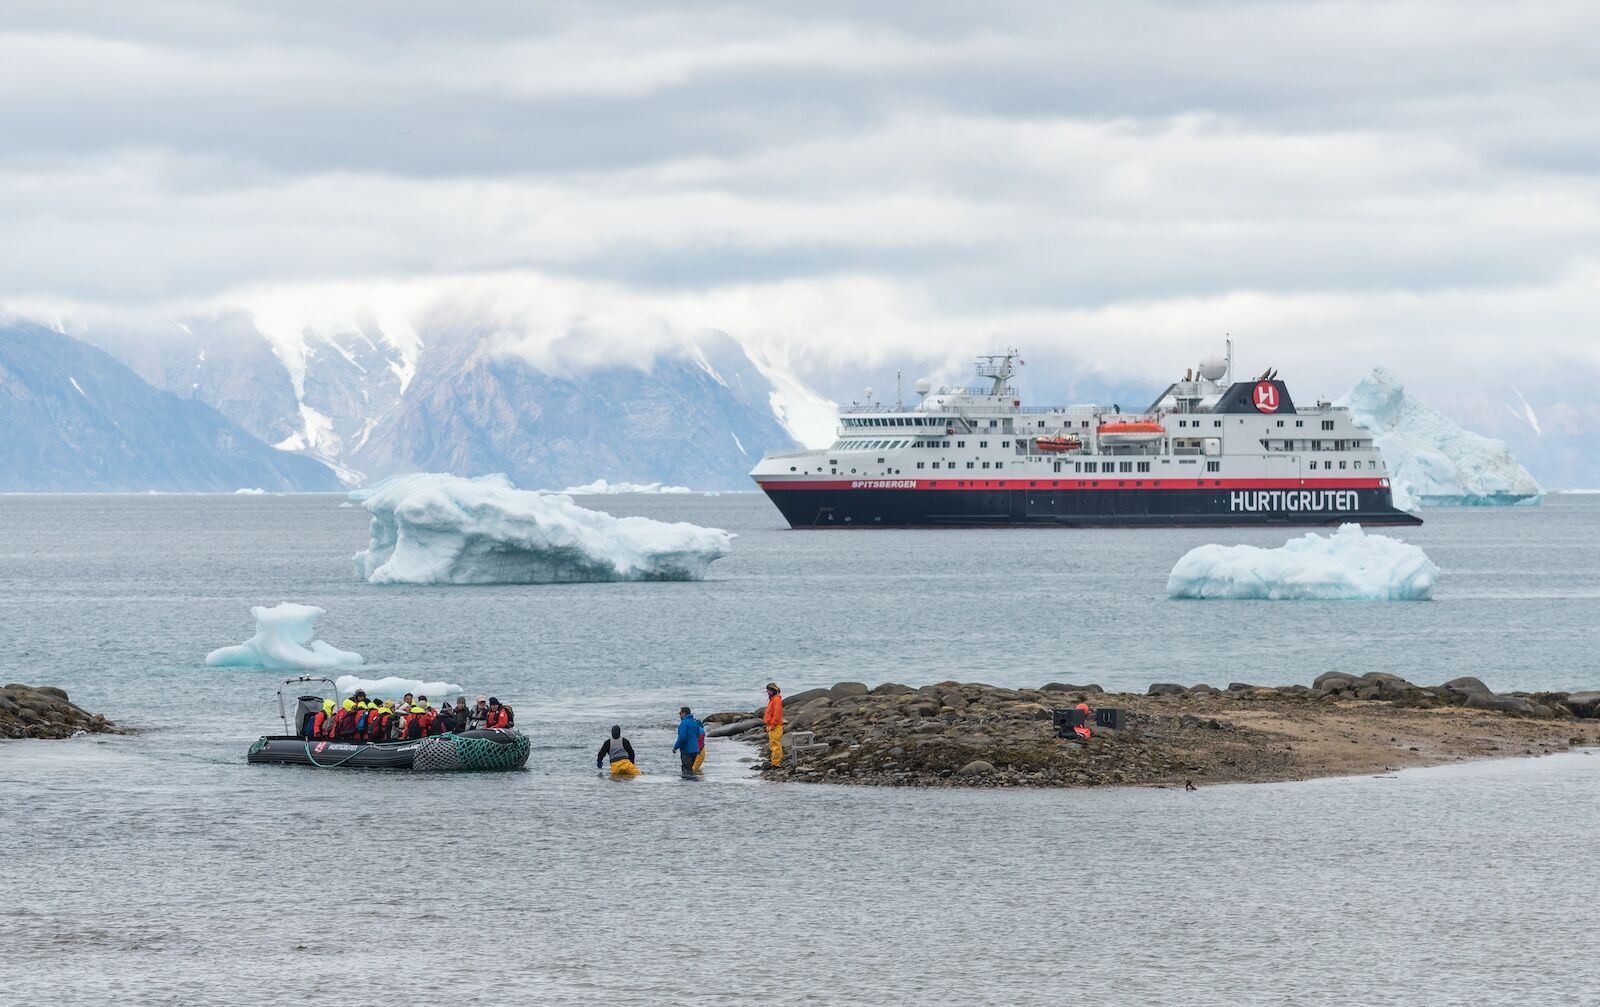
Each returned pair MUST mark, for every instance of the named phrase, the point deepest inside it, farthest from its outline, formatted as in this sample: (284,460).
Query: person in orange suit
(772,717)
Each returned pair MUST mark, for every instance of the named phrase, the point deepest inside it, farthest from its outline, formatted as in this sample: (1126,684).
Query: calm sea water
(162,869)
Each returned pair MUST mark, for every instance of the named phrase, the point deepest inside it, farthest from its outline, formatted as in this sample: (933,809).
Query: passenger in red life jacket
(322,723)
(344,722)
(499,716)
(378,721)
(1082,730)
(412,725)
(430,717)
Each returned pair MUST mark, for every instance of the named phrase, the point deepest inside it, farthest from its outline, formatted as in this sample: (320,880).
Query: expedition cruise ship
(1208,451)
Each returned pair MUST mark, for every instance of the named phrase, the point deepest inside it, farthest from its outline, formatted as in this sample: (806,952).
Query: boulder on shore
(30,711)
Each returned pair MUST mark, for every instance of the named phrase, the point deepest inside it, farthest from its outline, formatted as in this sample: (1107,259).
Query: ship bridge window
(1299,423)
(1327,424)
(1213,466)
(1216,423)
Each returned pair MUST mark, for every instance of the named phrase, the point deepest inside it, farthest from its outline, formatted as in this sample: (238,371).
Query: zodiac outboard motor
(307,707)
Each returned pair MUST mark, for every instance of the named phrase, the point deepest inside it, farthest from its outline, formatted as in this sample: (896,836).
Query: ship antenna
(899,394)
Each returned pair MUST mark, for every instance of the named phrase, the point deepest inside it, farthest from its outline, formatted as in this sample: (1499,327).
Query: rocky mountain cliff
(451,398)
(74,419)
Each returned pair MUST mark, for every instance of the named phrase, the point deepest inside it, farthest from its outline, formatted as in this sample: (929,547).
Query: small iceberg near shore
(441,529)
(392,687)
(1348,565)
(284,640)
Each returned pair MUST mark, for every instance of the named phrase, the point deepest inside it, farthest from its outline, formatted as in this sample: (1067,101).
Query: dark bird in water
(1189,785)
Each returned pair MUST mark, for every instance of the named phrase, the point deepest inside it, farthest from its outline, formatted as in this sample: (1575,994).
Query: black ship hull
(1006,504)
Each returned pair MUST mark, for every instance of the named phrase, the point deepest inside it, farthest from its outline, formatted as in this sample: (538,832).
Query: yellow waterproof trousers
(775,739)
(699,760)
(624,768)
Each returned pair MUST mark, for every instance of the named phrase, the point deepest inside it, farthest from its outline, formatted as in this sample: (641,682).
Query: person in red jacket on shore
(772,717)
(1082,730)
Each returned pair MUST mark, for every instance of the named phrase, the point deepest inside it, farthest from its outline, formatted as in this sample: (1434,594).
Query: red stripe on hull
(1072,484)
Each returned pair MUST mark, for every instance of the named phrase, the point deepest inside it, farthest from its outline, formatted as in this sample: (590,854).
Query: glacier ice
(601,486)
(1346,565)
(1433,461)
(442,529)
(283,640)
(392,687)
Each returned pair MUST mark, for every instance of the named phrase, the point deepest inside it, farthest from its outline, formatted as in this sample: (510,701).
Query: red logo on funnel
(1266,397)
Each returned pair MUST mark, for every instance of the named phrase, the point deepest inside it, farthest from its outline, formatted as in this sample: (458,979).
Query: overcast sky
(1335,184)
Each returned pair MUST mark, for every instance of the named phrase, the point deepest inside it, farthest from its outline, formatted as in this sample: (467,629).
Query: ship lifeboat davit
(1057,443)
(1130,432)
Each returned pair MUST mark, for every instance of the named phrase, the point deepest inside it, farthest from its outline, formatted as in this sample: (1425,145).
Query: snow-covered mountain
(374,398)
(1432,460)
(74,419)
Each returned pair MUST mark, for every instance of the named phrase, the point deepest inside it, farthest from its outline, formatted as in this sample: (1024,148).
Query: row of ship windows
(948,421)
(882,445)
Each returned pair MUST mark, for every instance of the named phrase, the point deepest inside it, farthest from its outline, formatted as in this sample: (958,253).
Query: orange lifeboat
(1130,431)
(1057,443)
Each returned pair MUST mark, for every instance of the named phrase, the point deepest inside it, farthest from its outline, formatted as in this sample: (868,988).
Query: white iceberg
(1346,565)
(441,529)
(253,491)
(602,487)
(392,687)
(1433,461)
(283,640)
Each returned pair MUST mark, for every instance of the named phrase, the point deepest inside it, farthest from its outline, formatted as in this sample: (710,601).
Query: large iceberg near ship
(1433,461)
(1348,565)
(441,529)
(284,640)
(601,487)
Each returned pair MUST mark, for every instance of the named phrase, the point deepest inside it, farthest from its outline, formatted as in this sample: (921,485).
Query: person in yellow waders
(700,756)
(773,718)
(617,749)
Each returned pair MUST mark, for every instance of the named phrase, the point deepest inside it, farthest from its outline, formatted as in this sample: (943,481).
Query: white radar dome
(1213,368)
(922,387)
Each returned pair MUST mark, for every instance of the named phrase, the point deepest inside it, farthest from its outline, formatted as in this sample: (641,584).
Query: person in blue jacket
(688,744)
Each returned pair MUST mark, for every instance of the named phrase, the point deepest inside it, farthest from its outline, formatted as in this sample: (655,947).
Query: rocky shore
(972,734)
(43,711)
